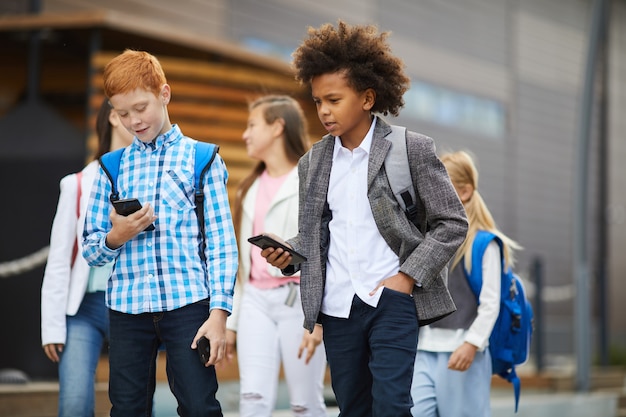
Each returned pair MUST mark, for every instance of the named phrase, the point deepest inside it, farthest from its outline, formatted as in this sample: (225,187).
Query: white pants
(270,332)
(440,392)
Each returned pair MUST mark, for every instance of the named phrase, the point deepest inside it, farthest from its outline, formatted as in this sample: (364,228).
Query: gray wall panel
(285,22)
(474,28)
(546,134)
(616,210)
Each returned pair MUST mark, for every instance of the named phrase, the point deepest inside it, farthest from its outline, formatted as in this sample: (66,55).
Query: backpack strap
(205,154)
(512,377)
(481,241)
(110,163)
(79,177)
(399,173)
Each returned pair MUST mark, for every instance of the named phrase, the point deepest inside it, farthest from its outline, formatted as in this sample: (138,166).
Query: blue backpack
(205,154)
(509,343)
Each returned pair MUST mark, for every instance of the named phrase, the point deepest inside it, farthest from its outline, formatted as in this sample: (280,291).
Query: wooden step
(40,399)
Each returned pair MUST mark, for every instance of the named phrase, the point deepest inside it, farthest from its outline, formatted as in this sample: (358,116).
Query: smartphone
(128,206)
(204,349)
(264,241)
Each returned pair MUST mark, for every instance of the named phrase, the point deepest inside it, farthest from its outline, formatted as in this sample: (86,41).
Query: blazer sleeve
(442,211)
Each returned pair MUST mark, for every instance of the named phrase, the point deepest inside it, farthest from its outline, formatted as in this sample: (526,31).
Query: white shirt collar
(366,143)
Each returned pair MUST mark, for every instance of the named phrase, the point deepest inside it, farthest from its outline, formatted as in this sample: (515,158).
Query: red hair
(131,70)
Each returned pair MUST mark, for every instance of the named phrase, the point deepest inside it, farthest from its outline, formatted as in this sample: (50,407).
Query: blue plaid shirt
(161,270)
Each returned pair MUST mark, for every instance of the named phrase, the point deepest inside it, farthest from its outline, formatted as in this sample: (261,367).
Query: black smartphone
(265,241)
(204,349)
(128,206)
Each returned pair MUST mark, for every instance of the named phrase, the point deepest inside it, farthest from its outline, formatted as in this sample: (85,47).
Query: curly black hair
(362,53)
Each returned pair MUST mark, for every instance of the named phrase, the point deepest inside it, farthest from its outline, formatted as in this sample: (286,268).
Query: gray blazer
(423,254)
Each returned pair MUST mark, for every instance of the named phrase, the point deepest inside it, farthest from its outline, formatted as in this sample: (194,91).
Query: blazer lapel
(378,151)
(319,172)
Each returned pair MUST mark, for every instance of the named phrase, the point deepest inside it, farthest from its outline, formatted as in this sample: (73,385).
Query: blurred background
(533,88)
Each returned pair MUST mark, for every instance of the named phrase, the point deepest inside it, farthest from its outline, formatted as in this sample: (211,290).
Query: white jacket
(64,287)
(281,219)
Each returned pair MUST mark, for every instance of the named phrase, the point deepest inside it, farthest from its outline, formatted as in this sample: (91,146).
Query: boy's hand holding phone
(276,251)
(210,339)
(128,220)
(128,206)
(277,257)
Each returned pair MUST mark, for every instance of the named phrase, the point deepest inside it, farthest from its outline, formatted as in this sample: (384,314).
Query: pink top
(259,273)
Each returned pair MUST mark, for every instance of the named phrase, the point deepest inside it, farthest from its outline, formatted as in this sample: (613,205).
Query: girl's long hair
(104,130)
(296,141)
(463,172)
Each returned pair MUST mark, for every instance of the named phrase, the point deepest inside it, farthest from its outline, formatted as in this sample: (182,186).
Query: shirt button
(149,244)
(151,184)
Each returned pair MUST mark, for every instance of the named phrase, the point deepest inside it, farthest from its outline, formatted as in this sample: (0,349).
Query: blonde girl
(452,375)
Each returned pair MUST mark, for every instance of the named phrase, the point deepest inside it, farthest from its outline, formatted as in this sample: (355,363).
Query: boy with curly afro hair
(371,275)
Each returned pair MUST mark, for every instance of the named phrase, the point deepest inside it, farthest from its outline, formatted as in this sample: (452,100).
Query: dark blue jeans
(134,343)
(371,356)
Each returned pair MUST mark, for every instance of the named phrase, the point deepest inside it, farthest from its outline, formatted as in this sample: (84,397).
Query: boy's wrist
(111,243)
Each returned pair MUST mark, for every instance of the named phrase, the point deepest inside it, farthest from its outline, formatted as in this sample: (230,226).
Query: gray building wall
(523,60)
(616,210)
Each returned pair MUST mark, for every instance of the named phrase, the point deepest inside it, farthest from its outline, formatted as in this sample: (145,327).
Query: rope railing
(27,263)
